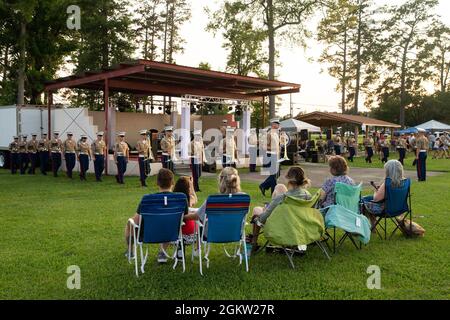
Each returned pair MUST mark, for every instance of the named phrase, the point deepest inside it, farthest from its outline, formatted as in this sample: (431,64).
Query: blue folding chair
(397,202)
(161,222)
(224,222)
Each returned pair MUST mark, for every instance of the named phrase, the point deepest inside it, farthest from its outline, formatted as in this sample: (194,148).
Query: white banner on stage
(185,129)
(246,125)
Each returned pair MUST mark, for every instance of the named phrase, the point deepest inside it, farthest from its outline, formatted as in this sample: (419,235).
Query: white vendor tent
(434,125)
(293,125)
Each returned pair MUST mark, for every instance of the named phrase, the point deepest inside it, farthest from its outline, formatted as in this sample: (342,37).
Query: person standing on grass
(23,155)
(401,147)
(445,140)
(84,156)
(337,144)
(253,149)
(168,148)
(99,154)
(422,145)
(56,147)
(14,151)
(69,151)
(32,147)
(165,182)
(144,149)
(352,144)
(121,156)
(368,145)
(272,165)
(198,158)
(43,148)
(384,144)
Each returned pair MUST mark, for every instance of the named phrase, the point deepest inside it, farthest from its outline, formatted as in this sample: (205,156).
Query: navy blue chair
(397,202)
(224,223)
(161,222)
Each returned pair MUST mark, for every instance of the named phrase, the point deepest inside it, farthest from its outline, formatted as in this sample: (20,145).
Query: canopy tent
(409,130)
(434,125)
(293,125)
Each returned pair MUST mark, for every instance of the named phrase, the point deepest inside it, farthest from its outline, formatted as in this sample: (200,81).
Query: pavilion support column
(107,131)
(263,113)
(185,130)
(367,132)
(49,110)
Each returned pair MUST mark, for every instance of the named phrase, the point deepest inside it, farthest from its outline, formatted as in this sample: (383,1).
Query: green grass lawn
(48,224)
(442,165)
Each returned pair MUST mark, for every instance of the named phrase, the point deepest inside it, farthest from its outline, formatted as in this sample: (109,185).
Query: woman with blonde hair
(229,183)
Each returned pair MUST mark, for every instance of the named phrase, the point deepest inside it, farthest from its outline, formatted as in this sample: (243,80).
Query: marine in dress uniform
(43,148)
(56,147)
(14,151)
(121,156)
(320,144)
(144,148)
(401,147)
(272,157)
(69,151)
(32,148)
(168,148)
(99,154)
(337,143)
(368,145)
(84,156)
(384,144)
(253,149)
(198,158)
(422,146)
(23,155)
(228,147)
(351,143)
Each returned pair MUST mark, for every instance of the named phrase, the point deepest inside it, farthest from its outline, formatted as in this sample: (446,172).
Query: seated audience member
(374,205)
(229,183)
(297,183)
(165,182)
(339,170)
(185,185)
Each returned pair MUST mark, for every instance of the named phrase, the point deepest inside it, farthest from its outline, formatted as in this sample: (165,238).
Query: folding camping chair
(161,222)
(224,223)
(397,202)
(345,214)
(295,223)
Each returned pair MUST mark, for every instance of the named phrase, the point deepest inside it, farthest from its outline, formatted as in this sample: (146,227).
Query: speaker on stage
(304,135)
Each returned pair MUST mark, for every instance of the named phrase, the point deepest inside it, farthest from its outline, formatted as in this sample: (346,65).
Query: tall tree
(337,31)
(243,40)
(280,19)
(149,26)
(106,38)
(438,47)
(406,28)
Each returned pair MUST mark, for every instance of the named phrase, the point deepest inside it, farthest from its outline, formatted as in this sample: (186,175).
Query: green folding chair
(346,214)
(295,223)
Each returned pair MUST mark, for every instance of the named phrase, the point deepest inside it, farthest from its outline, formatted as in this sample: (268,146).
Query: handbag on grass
(412,230)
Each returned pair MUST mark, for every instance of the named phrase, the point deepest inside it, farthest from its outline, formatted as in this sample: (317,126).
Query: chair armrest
(133,224)
(198,223)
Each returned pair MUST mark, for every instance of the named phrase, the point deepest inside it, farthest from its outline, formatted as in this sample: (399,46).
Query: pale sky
(318,89)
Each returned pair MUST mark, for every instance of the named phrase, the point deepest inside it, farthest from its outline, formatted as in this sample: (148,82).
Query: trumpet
(284,141)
